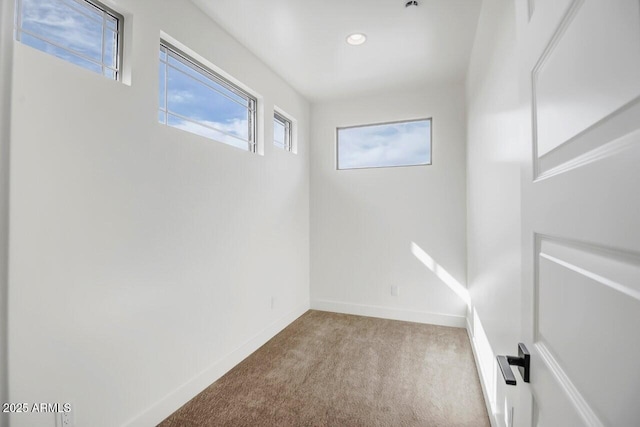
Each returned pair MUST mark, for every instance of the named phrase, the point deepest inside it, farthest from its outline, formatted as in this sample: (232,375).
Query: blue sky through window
(384,145)
(75,31)
(193,100)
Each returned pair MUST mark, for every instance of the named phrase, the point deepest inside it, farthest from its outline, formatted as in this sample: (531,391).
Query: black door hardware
(523,362)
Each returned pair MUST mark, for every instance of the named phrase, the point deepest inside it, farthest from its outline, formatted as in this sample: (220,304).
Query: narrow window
(282,132)
(196,99)
(405,143)
(83,32)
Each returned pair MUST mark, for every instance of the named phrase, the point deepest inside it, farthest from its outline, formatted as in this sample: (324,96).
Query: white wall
(363,222)
(6,52)
(493,185)
(144,259)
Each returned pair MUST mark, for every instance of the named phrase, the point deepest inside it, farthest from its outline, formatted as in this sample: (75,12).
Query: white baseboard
(389,313)
(492,416)
(169,404)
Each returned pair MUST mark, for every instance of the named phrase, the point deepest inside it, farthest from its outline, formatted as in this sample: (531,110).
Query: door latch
(523,362)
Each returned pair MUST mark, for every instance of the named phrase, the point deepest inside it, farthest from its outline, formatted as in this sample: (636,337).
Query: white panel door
(580,81)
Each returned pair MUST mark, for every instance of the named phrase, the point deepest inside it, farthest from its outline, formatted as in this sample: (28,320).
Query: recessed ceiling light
(356,39)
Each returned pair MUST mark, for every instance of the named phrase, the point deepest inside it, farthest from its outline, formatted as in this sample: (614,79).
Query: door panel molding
(573,281)
(597,107)
(581,406)
(564,24)
(619,127)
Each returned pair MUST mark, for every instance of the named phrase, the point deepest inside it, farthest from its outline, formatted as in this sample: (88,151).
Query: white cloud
(63,25)
(398,144)
(180,96)
(236,127)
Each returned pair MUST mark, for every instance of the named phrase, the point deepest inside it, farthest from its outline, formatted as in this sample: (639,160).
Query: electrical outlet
(64,419)
(273,303)
(395,290)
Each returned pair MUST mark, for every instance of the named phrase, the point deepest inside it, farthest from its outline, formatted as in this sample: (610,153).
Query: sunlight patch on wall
(486,361)
(441,273)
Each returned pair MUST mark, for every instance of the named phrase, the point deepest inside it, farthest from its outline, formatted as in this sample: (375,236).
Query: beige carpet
(328,369)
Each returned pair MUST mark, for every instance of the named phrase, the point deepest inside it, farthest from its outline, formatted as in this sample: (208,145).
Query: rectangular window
(83,32)
(405,143)
(196,99)
(282,132)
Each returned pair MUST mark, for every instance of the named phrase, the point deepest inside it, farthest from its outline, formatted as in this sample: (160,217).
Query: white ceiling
(304,41)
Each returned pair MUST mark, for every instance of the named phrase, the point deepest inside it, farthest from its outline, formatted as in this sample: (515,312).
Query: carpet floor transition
(328,369)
